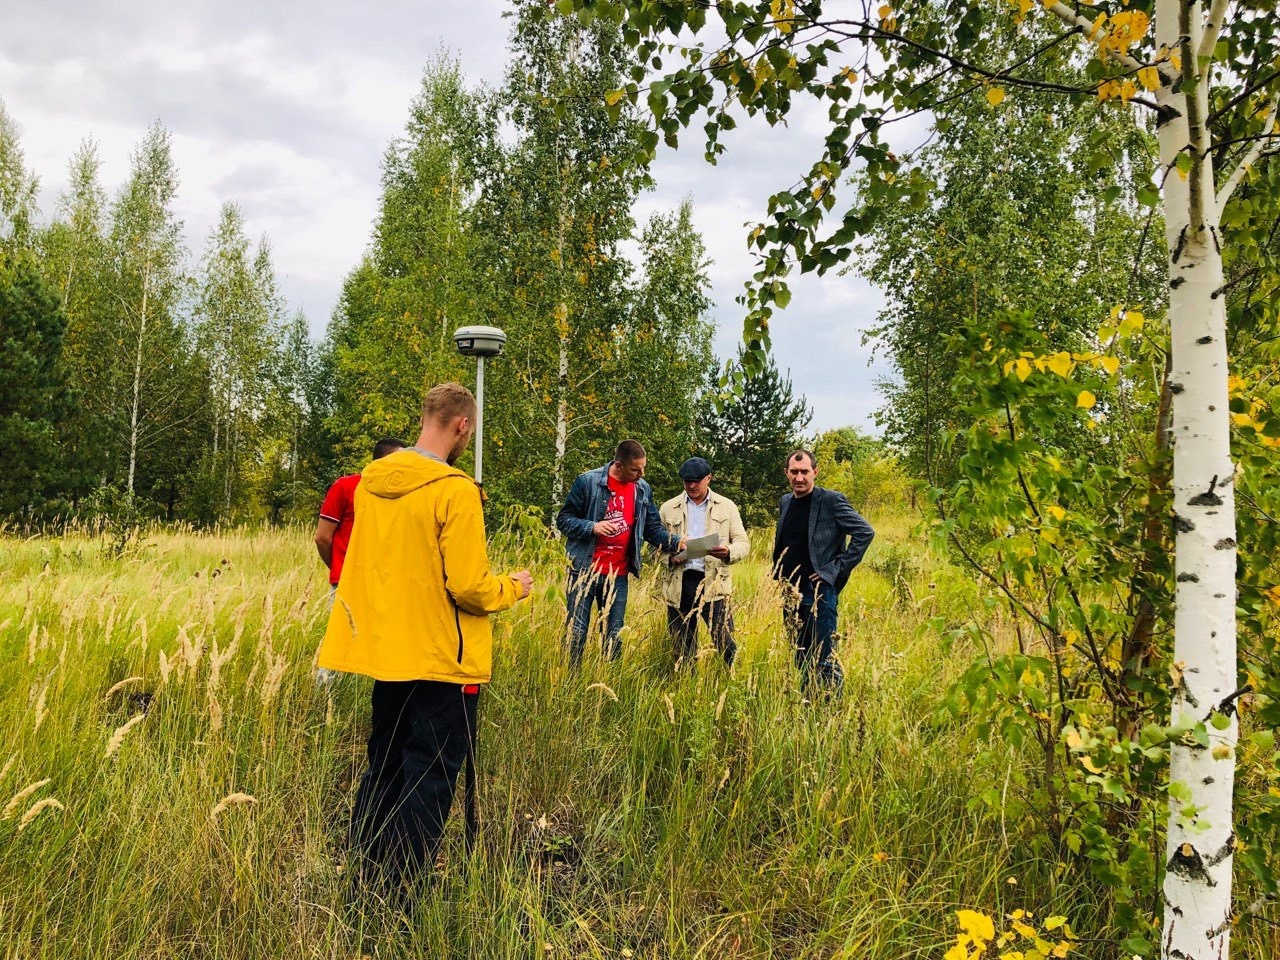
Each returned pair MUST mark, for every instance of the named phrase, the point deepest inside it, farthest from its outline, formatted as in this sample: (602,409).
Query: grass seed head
(40,708)
(117,687)
(605,690)
(275,675)
(215,712)
(122,731)
(48,803)
(20,797)
(231,799)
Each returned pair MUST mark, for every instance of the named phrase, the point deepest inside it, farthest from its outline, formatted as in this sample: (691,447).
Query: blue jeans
(812,621)
(588,589)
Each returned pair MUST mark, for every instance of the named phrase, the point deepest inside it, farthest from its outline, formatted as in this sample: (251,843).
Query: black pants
(423,732)
(682,622)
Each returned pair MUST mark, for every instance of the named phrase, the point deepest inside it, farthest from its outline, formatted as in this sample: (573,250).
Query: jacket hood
(404,472)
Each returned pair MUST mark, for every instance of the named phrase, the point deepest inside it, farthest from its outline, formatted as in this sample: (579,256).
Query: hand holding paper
(697,547)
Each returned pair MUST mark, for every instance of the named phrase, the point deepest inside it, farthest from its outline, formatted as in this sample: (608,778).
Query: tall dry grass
(176,784)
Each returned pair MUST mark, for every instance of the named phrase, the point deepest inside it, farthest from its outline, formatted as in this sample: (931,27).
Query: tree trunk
(562,425)
(1197,887)
(562,330)
(137,378)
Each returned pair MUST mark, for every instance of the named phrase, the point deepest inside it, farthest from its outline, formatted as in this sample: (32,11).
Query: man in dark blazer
(819,540)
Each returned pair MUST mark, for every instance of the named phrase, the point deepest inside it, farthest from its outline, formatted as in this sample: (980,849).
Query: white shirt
(696,526)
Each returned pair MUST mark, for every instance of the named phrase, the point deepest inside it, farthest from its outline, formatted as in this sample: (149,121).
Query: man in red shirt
(608,513)
(338,513)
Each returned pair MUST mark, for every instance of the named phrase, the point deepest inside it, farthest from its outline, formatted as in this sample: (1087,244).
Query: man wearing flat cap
(701,586)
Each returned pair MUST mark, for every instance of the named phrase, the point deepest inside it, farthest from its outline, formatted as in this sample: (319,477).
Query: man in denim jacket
(608,512)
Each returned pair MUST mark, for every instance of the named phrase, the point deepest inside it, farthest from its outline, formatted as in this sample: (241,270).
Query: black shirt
(792,556)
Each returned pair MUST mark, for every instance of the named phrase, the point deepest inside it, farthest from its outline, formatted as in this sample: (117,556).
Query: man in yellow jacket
(412,611)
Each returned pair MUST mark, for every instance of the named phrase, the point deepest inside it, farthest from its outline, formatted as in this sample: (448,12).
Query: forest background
(152,380)
(1026,318)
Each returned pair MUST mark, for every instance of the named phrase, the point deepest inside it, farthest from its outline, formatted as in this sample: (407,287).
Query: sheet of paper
(696,547)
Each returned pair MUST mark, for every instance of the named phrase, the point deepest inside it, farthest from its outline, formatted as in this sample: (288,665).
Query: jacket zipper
(457,621)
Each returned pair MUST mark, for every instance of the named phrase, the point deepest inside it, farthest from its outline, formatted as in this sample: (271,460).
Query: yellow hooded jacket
(416,590)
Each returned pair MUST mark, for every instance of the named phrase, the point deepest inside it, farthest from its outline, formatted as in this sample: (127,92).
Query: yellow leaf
(1109,364)
(1053,923)
(1060,363)
(1149,77)
(1024,930)
(1055,511)
(995,96)
(1221,752)
(885,12)
(977,925)
(784,12)
(957,952)
(1086,400)
(1132,323)
(1087,762)
(613,96)
(1022,368)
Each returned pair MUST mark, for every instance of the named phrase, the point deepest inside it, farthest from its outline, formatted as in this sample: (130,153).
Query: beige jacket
(722,518)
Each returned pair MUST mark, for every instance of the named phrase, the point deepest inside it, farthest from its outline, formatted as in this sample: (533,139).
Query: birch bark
(1197,887)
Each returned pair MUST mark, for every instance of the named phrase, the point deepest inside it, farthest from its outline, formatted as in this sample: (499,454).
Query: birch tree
(234,327)
(17,187)
(148,285)
(1206,74)
(421,278)
(556,211)
(76,263)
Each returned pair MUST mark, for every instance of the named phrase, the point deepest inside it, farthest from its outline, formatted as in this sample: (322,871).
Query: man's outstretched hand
(525,579)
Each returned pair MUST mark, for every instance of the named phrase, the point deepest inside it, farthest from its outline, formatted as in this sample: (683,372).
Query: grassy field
(180,785)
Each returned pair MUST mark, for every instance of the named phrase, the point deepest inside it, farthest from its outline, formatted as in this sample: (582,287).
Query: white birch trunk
(135,405)
(562,424)
(1197,887)
(562,331)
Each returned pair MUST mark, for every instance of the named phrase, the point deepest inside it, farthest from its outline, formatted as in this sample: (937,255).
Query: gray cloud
(288,108)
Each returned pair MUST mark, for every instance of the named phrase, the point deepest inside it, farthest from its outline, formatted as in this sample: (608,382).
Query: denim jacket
(584,508)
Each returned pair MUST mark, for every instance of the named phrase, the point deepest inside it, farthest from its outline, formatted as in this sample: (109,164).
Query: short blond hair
(446,402)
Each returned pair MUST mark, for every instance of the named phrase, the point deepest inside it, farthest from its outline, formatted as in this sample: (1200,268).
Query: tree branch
(1259,147)
(1084,26)
(875,33)
(1243,95)
(1210,39)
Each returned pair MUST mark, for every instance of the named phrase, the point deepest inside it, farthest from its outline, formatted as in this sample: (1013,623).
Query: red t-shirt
(340,507)
(611,552)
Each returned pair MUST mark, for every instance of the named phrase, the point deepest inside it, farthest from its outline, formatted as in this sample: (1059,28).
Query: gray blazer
(831,521)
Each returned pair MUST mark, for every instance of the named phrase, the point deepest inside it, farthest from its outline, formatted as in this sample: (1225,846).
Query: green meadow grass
(629,810)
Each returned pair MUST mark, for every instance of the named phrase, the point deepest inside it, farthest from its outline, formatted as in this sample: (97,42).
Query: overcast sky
(287,108)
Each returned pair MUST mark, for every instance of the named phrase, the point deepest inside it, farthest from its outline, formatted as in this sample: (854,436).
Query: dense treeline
(134,381)
(142,379)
